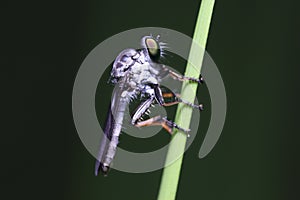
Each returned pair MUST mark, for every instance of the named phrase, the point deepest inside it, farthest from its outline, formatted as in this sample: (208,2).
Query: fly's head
(152,47)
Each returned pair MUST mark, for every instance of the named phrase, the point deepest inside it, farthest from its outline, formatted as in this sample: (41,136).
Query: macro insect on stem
(139,73)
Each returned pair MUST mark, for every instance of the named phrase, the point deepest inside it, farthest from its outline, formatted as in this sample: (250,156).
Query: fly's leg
(158,95)
(161,121)
(141,110)
(176,99)
(154,121)
(180,77)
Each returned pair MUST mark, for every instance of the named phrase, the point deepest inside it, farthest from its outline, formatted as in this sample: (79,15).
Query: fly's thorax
(142,74)
(125,60)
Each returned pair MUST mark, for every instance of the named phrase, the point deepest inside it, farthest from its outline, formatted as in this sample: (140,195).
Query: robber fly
(138,73)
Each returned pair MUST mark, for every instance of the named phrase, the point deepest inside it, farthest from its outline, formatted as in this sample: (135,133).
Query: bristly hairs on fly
(163,49)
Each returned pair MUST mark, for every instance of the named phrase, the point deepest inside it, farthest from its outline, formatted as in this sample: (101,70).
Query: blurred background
(255,45)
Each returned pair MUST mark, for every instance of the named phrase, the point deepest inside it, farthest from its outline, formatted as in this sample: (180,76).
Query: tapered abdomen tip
(104,169)
(100,167)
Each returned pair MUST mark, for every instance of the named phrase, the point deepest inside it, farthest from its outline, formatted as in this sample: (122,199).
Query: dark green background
(254,44)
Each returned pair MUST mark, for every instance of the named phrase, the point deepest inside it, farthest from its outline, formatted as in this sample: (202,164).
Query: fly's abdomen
(112,134)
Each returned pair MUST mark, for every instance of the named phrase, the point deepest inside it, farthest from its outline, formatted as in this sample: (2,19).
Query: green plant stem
(171,172)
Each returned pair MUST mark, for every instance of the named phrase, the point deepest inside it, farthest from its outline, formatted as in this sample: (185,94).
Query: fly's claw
(201,80)
(200,107)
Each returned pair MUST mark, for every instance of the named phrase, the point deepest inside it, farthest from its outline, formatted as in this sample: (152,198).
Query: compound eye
(153,48)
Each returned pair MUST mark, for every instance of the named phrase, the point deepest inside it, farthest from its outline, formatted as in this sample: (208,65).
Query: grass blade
(171,173)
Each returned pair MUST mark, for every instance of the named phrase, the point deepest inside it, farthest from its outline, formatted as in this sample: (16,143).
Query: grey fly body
(138,73)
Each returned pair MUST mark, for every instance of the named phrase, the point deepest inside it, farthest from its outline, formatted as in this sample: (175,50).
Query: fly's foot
(172,125)
(200,106)
(180,77)
(164,122)
(199,80)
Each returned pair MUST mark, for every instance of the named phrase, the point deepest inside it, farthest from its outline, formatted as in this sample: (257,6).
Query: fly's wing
(105,140)
(108,130)
(116,106)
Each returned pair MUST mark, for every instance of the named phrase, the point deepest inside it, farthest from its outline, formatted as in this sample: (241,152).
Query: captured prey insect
(138,73)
